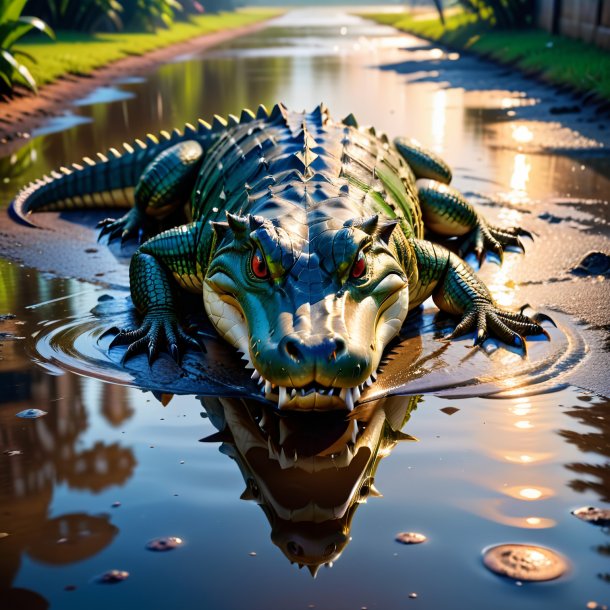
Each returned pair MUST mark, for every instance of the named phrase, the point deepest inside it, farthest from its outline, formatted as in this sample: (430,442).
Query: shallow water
(84,488)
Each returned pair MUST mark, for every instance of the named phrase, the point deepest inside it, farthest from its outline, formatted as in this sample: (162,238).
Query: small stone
(524,562)
(182,461)
(410,538)
(113,576)
(12,452)
(450,410)
(4,534)
(591,605)
(593,515)
(31,414)
(70,588)
(168,543)
(252,554)
(413,595)
(116,504)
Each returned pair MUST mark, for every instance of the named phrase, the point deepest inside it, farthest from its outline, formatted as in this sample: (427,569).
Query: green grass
(555,59)
(80,54)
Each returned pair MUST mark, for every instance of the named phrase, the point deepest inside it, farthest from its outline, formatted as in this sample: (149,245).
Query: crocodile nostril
(292,349)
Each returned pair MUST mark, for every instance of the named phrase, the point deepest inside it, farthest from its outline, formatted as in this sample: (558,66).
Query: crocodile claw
(487,319)
(488,238)
(157,329)
(129,225)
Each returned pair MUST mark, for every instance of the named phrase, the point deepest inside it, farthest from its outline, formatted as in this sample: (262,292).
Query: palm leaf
(22,72)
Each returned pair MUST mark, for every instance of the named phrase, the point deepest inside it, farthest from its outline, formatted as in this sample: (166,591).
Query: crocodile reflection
(309,472)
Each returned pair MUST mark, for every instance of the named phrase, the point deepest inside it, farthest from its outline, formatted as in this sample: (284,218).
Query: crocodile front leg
(457,290)
(168,259)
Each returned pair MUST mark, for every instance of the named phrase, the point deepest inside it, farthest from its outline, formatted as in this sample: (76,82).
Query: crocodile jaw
(227,317)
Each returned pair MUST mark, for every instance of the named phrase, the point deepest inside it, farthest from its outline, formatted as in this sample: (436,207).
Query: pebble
(593,515)
(413,595)
(116,504)
(31,414)
(167,543)
(113,576)
(410,538)
(524,562)
(12,452)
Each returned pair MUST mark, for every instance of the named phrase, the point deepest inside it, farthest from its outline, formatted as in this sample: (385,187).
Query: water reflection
(309,473)
(50,454)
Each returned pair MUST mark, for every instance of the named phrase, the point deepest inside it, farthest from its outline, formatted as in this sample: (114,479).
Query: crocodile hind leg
(457,290)
(165,185)
(445,210)
(158,269)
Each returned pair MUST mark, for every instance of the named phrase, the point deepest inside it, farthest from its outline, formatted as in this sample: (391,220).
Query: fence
(588,20)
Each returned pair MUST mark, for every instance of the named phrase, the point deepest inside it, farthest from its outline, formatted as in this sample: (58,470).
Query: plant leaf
(20,69)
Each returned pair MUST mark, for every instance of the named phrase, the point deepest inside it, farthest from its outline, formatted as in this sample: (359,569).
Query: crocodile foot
(130,225)
(158,329)
(487,319)
(488,238)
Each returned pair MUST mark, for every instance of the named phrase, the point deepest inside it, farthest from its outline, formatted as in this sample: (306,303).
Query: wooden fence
(588,20)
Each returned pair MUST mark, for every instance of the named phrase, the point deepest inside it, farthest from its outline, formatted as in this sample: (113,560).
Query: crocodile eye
(259,266)
(359,266)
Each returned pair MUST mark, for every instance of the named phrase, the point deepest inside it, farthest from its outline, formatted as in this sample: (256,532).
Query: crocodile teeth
(369,382)
(293,393)
(255,375)
(267,387)
(281,401)
(355,394)
(343,393)
(284,431)
(349,399)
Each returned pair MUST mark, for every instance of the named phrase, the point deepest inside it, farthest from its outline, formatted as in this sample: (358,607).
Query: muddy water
(110,467)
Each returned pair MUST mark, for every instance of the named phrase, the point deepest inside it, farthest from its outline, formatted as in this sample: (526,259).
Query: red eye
(259,266)
(359,267)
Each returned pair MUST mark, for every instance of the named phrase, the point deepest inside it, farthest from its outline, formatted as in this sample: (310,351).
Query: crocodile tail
(107,182)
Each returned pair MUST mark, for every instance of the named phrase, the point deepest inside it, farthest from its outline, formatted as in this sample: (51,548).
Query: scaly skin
(306,242)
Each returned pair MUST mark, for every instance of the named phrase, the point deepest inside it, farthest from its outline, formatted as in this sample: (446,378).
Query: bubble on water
(167,543)
(593,515)
(410,538)
(31,414)
(113,576)
(524,562)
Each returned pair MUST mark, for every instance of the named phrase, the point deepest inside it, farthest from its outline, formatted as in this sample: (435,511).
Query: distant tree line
(500,13)
(114,15)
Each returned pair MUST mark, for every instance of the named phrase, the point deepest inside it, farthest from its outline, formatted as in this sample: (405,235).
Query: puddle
(483,454)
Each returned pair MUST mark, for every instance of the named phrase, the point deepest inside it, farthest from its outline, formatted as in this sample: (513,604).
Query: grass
(80,54)
(555,59)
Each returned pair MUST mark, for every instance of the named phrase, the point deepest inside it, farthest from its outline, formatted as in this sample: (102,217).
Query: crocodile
(304,236)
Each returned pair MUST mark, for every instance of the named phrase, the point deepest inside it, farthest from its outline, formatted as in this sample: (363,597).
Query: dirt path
(25,112)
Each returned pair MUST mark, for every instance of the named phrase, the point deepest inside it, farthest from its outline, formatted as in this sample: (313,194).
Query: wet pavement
(110,468)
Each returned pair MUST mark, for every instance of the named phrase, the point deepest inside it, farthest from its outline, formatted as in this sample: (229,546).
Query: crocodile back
(292,167)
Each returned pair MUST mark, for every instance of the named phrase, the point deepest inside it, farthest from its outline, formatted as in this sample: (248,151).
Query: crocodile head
(312,309)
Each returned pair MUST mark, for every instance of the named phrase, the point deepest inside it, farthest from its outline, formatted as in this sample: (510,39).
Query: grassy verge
(555,59)
(75,53)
